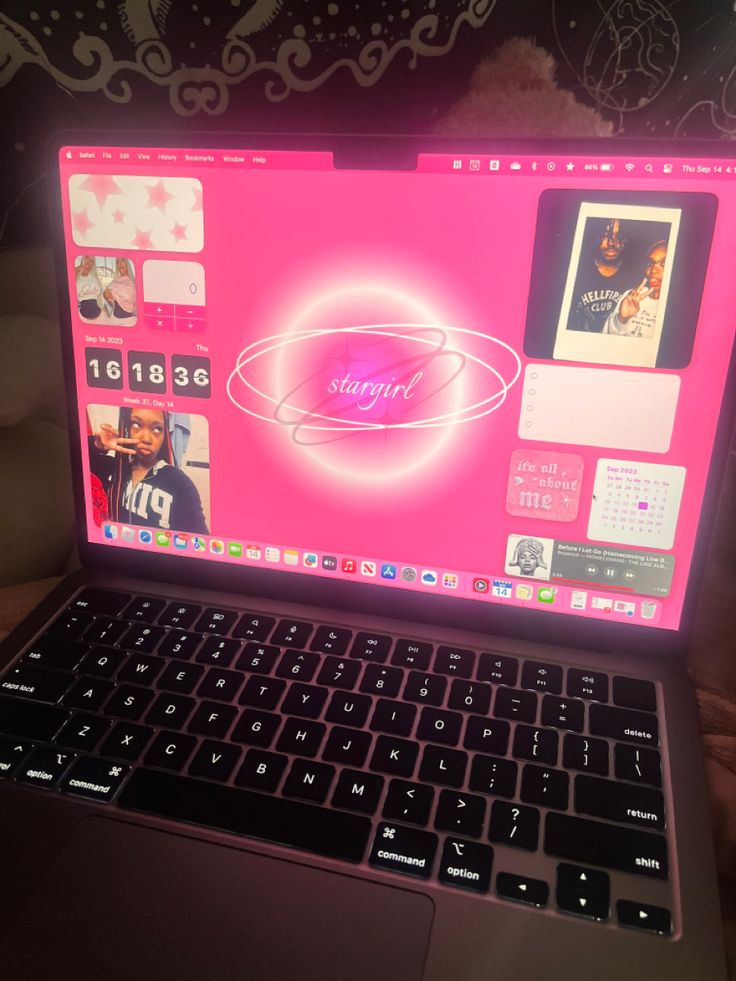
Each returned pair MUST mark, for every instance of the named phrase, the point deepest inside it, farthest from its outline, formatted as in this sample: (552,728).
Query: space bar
(242,812)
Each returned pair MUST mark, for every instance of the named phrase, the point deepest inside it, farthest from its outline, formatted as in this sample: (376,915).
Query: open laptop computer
(395,464)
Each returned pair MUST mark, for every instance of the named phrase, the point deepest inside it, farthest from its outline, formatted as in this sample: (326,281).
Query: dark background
(657,68)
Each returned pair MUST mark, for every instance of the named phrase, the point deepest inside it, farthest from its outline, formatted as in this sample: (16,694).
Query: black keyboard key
(466,865)
(542,677)
(258,658)
(634,693)
(170,750)
(309,781)
(637,764)
(170,710)
(301,737)
(443,766)
(180,644)
(129,702)
(221,684)
(105,630)
(126,741)
(461,813)
(427,689)
(142,638)
(583,878)
(498,668)
(298,665)
(395,718)
(44,767)
(332,833)
(407,801)
(256,728)
(50,652)
(12,754)
(180,677)
(254,626)
(292,633)
(261,692)
(347,746)
(515,825)
(212,719)
(261,770)
(214,760)
(587,684)
(491,775)
(545,786)
(403,850)
(102,601)
(144,609)
(180,615)
(331,640)
(36,684)
(370,647)
(563,713)
(412,654)
(438,726)
(521,706)
(141,669)
(454,661)
(394,756)
(338,672)
(216,621)
(347,709)
(88,693)
(83,731)
(614,801)
(304,700)
(587,754)
(522,889)
(609,845)
(623,724)
(103,662)
(642,916)
(379,680)
(588,904)
(537,745)
(487,735)
(470,696)
(219,651)
(358,791)
(94,779)
(70,624)
(30,720)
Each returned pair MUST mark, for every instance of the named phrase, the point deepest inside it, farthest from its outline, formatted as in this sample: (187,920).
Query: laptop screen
(490,377)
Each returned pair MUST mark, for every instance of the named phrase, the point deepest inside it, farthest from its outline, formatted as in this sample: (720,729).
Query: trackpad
(125,902)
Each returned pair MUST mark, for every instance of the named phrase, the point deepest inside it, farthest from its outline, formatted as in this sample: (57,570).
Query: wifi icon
(629,167)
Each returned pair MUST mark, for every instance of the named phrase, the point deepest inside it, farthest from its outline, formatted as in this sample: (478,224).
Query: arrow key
(644,917)
(466,865)
(520,889)
(574,877)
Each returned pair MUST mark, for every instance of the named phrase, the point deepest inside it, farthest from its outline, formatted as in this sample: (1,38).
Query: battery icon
(607,166)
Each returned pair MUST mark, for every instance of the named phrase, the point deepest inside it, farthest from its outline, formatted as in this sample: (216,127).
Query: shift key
(594,843)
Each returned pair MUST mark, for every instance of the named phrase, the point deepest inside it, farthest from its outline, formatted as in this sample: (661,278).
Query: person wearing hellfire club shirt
(636,313)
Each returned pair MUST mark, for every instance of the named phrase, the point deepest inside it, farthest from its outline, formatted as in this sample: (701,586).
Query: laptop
(395,466)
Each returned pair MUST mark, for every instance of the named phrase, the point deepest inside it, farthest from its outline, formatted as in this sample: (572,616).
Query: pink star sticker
(101,185)
(142,240)
(158,196)
(179,232)
(80,222)
(117,216)
(197,192)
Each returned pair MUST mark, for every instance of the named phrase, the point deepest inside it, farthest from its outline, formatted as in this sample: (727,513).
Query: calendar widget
(190,376)
(636,503)
(174,296)
(104,367)
(146,372)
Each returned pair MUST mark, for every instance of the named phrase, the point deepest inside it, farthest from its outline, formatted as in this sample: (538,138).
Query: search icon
(649,169)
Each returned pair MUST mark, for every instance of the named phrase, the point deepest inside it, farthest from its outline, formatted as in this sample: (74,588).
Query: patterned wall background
(652,67)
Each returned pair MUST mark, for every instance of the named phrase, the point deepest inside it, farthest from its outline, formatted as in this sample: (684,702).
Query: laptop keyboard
(432,761)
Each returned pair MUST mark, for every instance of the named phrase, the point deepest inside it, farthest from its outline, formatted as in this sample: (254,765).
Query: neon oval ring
(252,353)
